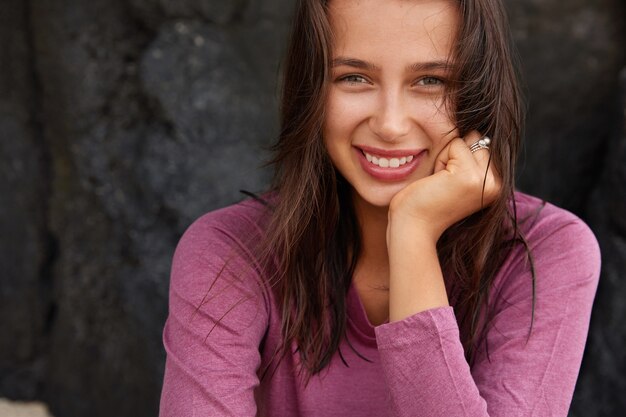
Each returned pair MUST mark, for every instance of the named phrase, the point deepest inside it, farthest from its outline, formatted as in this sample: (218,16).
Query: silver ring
(483,143)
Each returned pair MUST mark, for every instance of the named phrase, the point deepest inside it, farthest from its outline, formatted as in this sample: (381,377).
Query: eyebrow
(416,67)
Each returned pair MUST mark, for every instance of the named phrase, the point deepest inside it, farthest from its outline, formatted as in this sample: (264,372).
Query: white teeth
(388,162)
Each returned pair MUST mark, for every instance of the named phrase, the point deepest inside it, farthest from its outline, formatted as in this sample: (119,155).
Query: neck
(373,259)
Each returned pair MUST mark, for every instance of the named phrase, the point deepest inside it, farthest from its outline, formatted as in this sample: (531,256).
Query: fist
(462,183)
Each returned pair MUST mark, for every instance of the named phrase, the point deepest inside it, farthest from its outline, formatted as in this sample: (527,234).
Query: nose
(391,121)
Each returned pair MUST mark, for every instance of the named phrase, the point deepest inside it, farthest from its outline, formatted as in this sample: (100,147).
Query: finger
(480,155)
(472,137)
(491,184)
(443,157)
(459,149)
(489,179)
(441,160)
(458,157)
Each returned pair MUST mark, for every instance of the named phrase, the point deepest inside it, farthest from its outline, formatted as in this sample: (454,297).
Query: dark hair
(313,235)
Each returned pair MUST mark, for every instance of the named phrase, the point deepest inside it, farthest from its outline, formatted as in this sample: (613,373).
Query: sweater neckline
(358,317)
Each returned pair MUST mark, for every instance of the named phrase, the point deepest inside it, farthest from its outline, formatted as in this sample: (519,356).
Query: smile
(389,165)
(387,162)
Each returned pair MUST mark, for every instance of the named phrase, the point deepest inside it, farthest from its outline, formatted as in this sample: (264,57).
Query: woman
(392,269)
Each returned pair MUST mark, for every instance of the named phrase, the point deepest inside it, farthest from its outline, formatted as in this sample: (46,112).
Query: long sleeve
(217,320)
(422,356)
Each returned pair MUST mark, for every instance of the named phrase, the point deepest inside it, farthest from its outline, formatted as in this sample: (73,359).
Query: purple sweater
(416,365)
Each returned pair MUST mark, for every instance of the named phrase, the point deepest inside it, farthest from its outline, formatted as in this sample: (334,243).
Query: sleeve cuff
(417,327)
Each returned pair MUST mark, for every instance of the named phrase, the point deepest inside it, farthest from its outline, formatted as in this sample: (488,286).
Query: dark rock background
(123,120)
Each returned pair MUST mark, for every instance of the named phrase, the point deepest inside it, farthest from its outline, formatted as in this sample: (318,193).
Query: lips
(395,153)
(399,173)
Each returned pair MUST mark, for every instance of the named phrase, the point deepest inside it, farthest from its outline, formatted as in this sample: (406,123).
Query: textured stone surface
(24,290)
(147,130)
(133,117)
(574,156)
(212,102)
(155,12)
(110,276)
(571,52)
(602,384)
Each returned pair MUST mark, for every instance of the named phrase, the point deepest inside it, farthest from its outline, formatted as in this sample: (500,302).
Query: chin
(379,196)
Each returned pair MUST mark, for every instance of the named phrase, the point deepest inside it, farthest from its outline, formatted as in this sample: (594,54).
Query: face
(386,120)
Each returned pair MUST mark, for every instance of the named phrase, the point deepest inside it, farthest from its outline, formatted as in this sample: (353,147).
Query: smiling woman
(392,269)
(378,100)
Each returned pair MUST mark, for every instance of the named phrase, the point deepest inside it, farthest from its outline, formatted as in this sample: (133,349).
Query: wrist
(415,279)
(408,228)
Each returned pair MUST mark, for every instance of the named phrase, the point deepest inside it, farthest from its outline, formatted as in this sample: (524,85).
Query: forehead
(423,28)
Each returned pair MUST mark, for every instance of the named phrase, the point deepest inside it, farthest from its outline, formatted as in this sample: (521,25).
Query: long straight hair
(313,239)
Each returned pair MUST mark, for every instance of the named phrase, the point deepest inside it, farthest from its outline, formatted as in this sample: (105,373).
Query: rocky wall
(26,246)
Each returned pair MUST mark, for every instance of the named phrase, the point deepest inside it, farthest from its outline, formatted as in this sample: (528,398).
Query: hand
(453,192)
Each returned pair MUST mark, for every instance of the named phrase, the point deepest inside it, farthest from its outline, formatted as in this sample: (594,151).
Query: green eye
(353,79)
(430,81)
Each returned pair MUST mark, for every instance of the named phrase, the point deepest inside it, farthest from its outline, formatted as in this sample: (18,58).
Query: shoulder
(237,226)
(235,223)
(219,308)
(553,233)
(559,249)
(539,312)
(221,243)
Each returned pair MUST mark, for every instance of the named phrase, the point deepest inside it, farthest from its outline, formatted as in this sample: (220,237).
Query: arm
(420,213)
(214,328)
(423,359)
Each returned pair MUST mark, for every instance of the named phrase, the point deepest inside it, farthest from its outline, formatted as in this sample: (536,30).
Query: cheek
(338,130)
(346,111)
(434,112)
(331,121)
(332,135)
(337,149)
(438,125)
